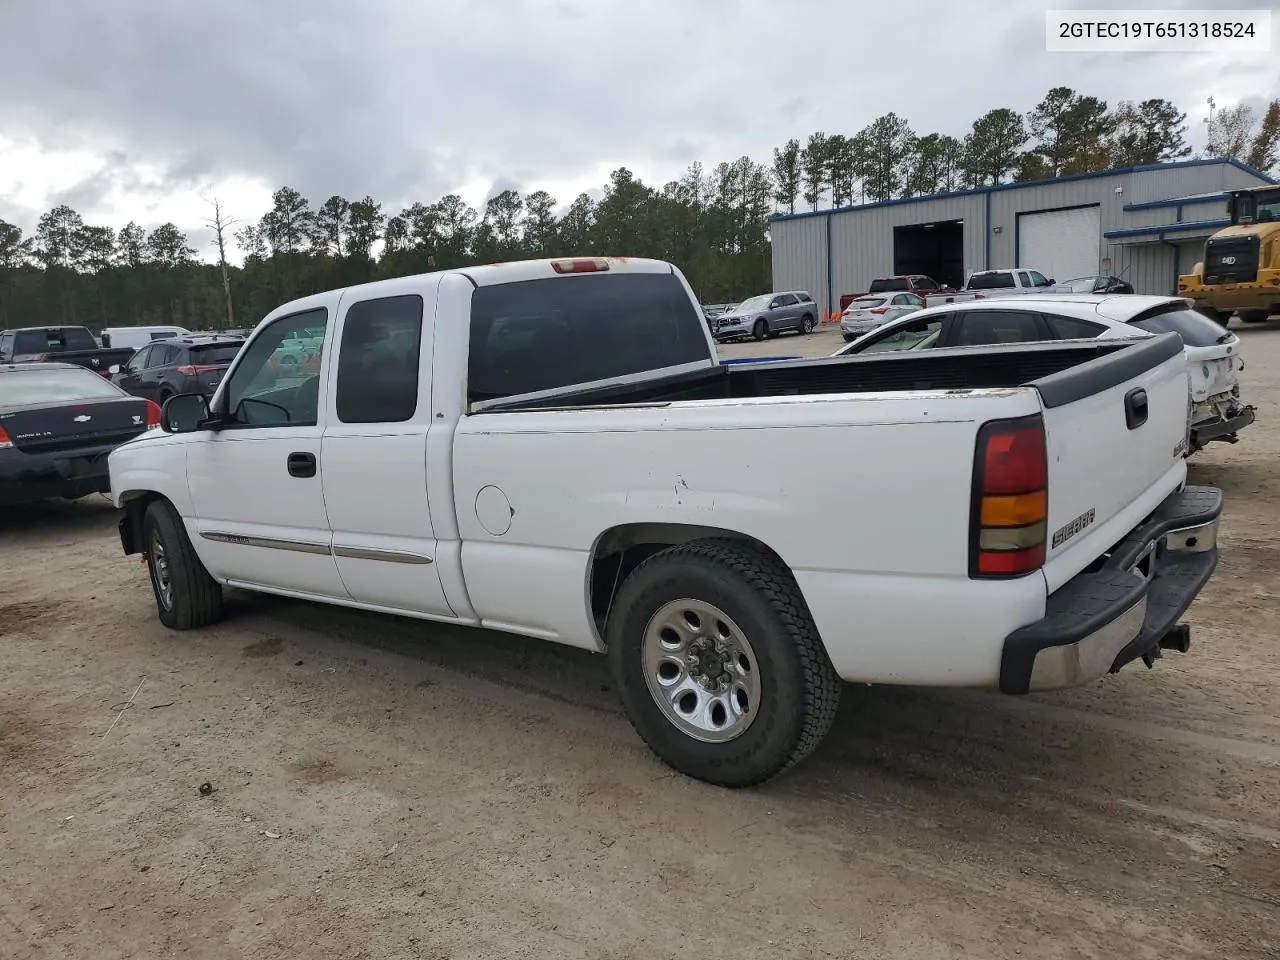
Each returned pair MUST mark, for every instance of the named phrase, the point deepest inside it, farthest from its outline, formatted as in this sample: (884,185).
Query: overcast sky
(133,109)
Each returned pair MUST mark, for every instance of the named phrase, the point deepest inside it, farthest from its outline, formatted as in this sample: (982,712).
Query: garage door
(1062,244)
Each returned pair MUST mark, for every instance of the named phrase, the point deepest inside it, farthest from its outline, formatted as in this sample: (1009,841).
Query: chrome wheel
(701,670)
(161,576)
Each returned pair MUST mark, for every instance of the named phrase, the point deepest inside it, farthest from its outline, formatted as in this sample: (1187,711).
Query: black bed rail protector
(1088,379)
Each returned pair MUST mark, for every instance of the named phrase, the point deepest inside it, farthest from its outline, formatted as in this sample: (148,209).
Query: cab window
(919,335)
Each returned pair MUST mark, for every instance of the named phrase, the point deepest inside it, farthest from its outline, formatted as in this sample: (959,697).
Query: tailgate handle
(1135,408)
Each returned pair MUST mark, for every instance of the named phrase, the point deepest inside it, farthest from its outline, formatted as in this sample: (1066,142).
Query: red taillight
(979,296)
(153,415)
(595,265)
(1011,499)
(5,442)
(878,310)
(195,370)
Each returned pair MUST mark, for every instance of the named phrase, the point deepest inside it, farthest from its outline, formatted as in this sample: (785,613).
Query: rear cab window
(991,281)
(557,332)
(886,285)
(1195,329)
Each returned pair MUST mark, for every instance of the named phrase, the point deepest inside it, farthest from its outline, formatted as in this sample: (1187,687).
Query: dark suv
(178,365)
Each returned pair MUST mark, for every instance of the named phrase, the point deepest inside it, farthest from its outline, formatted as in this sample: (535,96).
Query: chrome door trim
(269,543)
(386,556)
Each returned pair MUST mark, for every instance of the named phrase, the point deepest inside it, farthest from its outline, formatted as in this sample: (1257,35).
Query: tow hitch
(1178,638)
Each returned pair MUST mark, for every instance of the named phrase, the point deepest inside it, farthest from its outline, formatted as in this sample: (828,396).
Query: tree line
(712,222)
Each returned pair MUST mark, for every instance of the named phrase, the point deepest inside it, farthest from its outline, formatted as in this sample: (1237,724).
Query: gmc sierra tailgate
(1116,429)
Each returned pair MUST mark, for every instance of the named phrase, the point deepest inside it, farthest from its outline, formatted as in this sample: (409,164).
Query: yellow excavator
(1240,271)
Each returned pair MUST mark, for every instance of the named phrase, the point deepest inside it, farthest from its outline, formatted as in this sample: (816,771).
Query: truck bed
(1044,365)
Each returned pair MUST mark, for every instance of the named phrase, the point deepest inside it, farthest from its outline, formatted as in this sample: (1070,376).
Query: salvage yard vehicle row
(595,477)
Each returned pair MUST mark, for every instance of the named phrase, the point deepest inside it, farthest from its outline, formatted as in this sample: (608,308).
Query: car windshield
(55,385)
(866,303)
(990,281)
(755,303)
(1081,284)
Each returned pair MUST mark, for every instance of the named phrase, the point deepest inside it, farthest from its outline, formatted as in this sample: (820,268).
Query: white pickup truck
(989,284)
(551,448)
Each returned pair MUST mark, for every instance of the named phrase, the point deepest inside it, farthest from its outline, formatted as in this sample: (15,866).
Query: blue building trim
(1000,187)
(1176,202)
(986,228)
(830,296)
(1160,231)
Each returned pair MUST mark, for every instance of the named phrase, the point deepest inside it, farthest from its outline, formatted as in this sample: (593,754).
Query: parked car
(989,284)
(1097,285)
(768,315)
(863,315)
(181,365)
(919,284)
(607,484)
(1212,355)
(58,421)
(134,338)
(74,345)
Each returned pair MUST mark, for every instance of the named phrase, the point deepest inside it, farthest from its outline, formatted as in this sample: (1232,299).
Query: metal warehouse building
(1145,225)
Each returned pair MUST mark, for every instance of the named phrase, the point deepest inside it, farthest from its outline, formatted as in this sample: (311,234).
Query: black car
(1098,285)
(165,368)
(58,422)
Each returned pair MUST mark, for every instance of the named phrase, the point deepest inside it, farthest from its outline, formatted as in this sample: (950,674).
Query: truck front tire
(186,596)
(719,664)
(1255,316)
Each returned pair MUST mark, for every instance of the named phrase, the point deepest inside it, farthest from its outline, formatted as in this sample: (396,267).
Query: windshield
(215,352)
(54,386)
(1081,285)
(990,281)
(755,303)
(1263,207)
(1195,329)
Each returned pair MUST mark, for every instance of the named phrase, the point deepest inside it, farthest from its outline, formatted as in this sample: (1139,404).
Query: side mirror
(185,413)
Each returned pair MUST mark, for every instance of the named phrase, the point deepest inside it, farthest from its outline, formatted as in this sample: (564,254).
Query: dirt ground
(392,789)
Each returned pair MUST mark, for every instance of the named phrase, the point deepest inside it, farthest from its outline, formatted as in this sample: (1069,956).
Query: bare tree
(220,224)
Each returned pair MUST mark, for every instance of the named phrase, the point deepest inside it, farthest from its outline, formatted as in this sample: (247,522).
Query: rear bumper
(1203,432)
(31,477)
(1102,620)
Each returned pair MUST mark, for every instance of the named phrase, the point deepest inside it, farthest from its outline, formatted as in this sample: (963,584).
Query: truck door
(374,454)
(255,483)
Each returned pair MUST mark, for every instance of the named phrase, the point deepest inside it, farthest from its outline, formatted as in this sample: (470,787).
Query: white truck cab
(551,448)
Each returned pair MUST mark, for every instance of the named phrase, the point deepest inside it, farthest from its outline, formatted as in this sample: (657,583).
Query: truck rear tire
(719,664)
(1255,316)
(186,596)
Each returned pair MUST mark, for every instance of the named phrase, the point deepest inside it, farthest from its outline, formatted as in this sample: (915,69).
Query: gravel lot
(390,789)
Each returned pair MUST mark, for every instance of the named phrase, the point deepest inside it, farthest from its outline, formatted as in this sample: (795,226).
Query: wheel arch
(134,505)
(621,548)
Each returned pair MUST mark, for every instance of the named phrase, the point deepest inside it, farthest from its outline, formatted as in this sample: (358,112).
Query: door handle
(302,464)
(1135,408)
